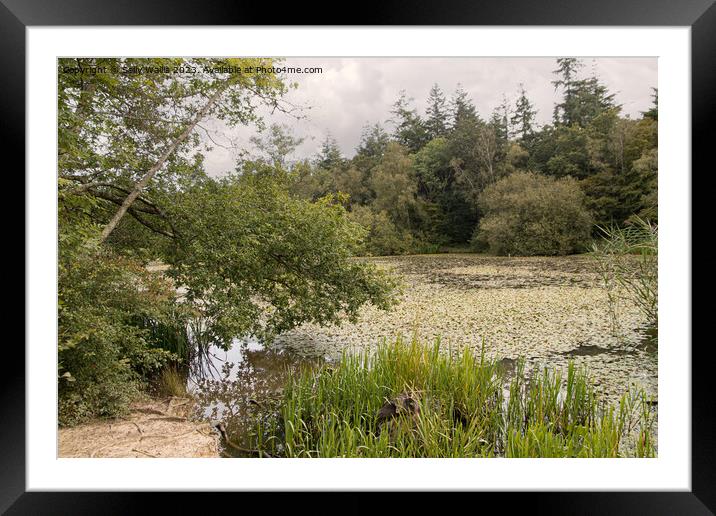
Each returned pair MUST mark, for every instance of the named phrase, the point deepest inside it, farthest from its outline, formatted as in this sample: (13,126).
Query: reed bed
(628,260)
(451,404)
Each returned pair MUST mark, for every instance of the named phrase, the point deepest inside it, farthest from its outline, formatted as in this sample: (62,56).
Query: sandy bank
(153,428)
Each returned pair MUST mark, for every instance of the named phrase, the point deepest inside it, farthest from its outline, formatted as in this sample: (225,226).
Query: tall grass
(171,381)
(463,411)
(170,334)
(628,259)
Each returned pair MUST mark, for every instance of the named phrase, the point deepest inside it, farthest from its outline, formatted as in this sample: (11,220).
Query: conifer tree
(523,116)
(566,72)
(436,121)
(410,130)
(330,154)
(463,110)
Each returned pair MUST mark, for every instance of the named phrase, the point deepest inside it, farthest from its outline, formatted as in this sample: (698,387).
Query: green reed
(463,410)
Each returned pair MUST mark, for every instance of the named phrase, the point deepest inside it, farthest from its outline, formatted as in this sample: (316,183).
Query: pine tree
(410,130)
(373,143)
(463,110)
(524,116)
(592,98)
(653,113)
(330,154)
(501,121)
(584,99)
(436,114)
(566,72)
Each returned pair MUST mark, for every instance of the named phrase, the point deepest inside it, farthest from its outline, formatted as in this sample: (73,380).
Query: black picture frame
(700,15)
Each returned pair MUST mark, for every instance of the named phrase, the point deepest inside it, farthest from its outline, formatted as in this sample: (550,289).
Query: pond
(548,310)
(236,387)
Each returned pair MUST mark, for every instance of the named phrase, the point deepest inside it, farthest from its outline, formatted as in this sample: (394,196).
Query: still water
(241,387)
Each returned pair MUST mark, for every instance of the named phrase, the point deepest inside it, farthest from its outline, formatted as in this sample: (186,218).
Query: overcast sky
(353,92)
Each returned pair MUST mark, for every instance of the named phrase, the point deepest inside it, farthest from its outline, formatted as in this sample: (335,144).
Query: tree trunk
(144,181)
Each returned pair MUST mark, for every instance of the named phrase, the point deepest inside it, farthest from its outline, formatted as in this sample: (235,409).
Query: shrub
(530,214)
(383,237)
(105,356)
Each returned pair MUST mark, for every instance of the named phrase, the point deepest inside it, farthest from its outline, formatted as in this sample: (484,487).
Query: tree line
(425,184)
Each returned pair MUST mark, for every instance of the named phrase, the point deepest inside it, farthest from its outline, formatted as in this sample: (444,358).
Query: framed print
(417,253)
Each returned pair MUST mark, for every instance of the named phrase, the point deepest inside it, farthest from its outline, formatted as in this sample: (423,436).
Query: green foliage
(383,236)
(645,169)
(436,122)
(477,158)
(556,418)
(583,99)
(106,350)
(426,190)
(528,214)
(461,412)
(614,159)
(623,155)
(246,256)
(170,332)
(270,246)
(523,117)
(309,182)
(374,141)
(276,145)
(330,155)
(104,355)
(395,188)
(629,263)
(571,154)
(256,261)
(653,112)
(448,216)
(410,129)
(463,110)
(113,122)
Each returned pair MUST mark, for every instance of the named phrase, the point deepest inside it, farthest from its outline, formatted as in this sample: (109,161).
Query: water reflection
(241,387)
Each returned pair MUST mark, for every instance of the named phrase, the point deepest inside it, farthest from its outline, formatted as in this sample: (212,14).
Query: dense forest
(271,245)
(442,178)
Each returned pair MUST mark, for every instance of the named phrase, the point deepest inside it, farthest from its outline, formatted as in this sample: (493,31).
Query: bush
(383,237)
(105,355)
(529,214)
